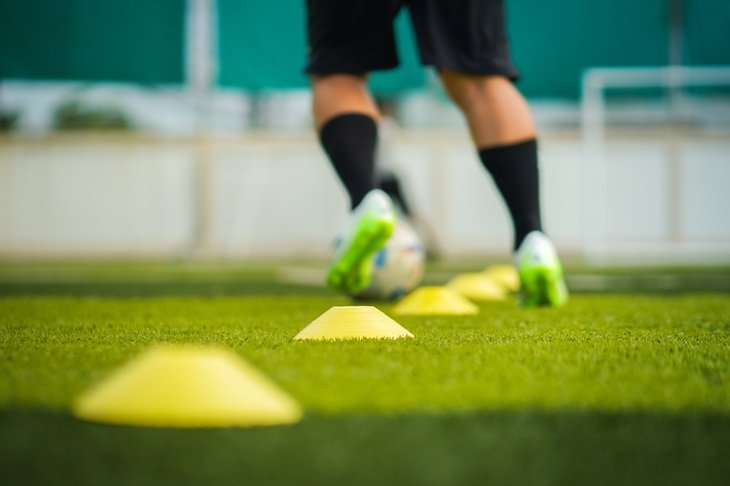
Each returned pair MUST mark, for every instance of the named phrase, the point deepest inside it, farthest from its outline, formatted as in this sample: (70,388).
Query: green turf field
(616,388)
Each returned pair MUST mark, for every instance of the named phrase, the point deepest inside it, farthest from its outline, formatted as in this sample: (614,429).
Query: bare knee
(472,90)
(334,94)
(495,111)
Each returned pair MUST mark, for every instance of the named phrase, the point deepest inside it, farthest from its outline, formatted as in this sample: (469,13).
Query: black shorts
(357,36)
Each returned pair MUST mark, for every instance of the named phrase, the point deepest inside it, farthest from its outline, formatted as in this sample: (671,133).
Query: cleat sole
(543,287)
(352,271)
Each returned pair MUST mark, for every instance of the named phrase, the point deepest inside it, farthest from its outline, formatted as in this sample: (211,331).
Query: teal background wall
(96,40)
(552,46)
(707,23)
(261,44)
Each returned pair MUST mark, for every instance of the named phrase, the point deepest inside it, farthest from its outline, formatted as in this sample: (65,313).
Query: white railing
(596,116)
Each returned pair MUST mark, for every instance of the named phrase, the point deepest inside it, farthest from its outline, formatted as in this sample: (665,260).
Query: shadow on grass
(42,447)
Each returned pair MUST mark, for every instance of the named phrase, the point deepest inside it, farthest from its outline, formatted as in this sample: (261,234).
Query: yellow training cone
(477,286)
(426,301)
(353,322)
(505,275)
(188,387)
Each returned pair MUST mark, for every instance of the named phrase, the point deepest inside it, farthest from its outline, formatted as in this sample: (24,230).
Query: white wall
(276,196)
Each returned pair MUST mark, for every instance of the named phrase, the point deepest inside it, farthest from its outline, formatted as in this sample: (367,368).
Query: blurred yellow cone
(477,286)
(188,387)
(426,301)
(505,275)
(353,322)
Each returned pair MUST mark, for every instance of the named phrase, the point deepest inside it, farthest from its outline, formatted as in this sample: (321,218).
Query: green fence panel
(94,40)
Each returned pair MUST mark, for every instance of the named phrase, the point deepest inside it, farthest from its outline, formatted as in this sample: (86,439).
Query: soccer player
(465,41)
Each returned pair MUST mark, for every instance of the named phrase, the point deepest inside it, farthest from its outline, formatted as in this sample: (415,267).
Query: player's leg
(503,132)
(495,110)
(345,117)
(466,41)
(347,40)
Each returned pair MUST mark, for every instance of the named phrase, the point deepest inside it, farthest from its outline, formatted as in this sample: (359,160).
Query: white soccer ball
(398,267)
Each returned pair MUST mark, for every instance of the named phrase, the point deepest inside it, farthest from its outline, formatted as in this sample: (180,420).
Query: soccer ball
(397,267)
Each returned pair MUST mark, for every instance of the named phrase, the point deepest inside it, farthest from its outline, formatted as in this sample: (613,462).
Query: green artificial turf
(612,389)
(601,352)
(510,448)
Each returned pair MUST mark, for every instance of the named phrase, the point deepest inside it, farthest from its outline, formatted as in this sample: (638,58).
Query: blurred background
(181,129)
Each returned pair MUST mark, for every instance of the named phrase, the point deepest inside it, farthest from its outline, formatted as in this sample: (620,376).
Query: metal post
(201,72)
(675,117)
(594,174)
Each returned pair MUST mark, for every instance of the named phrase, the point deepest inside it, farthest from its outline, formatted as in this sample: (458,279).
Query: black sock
(515,172)
(389,184)
(350,141)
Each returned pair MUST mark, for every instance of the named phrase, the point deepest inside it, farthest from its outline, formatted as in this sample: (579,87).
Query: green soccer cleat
(373,223)
(541,274)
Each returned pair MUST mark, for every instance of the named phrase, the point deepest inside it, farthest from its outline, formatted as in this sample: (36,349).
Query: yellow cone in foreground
(353,322)
(505,275)
(477,286)
(188,387)
(426,301)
